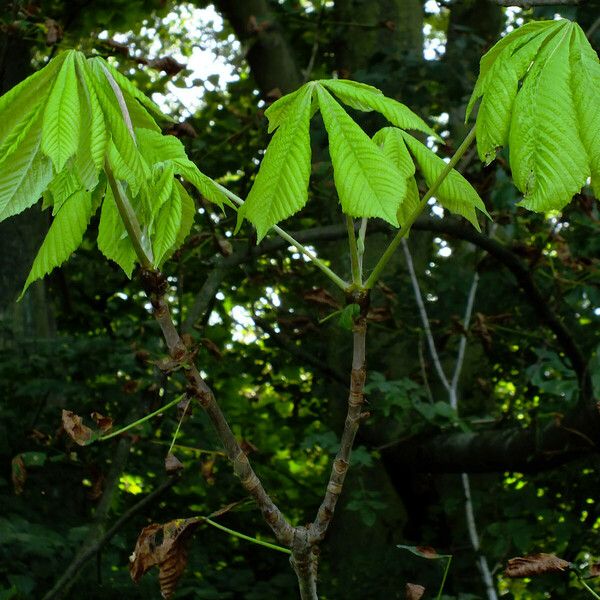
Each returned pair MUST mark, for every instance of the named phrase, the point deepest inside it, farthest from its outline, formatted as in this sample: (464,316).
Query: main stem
(353,418)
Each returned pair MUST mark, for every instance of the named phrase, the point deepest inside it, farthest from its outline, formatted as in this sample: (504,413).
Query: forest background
(527,427)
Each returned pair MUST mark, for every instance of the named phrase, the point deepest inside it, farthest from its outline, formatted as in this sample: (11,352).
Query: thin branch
(354,258)
(353,419)
(155,285)
(424,318)
(462,344)
(93,546)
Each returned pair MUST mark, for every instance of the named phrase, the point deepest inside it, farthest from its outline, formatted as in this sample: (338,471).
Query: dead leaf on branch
(167,64)
(163,546)
(414,591)
(322,296)
(104,423)
(73,424)
(54,32)
(172,464)
(535,564)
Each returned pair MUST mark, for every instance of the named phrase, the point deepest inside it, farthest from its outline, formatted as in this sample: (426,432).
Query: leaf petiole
(142,420)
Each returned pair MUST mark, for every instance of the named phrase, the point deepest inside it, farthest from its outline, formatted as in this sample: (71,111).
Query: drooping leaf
(21,103)
(164,148)
(61,125)
(188,212)
(548,160)
(73,425)
(281,186)
(391,141)
(168,223)
(164,546)
(367,98)
(64,236)
(93,137)
(585,82)
(62,187)
(113,240)
(424,552)
(368,184)
(24,173)
(281,109)
(455,193)
(541,95)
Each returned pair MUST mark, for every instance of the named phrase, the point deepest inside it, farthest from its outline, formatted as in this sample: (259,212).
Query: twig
(424,318)
(452,389)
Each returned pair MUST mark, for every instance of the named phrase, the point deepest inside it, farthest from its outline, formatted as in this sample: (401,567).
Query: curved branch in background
(526,450)
(95,543)
(525,280)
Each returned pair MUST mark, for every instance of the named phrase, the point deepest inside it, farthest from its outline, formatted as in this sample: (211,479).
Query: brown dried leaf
(379,315)
(535,564)
(322,296)
(54,32)
(104,423)
(248,447)
(427,551)
(18,474)
(130,386)
(167,64)
(414,591)
(164,546)
(76,430)
(172,464)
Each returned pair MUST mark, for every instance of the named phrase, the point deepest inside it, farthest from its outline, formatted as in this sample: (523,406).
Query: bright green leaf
(60,129)
(25,173)
(548,160)
(281,186)
(455,192)
(64,236)
(113,240)
(168,222)
(367,98)
(368,184)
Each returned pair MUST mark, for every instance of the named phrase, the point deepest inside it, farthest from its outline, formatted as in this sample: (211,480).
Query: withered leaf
(54,32)
(414,591)
(77,431)
(535,564)
(172,464)
(164,546)
(18,473)
(104,423)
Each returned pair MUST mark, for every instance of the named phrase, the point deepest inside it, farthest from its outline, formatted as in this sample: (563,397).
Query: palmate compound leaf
(281,185)
(552,121)
(64,236)
(455,192)
(367,182)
